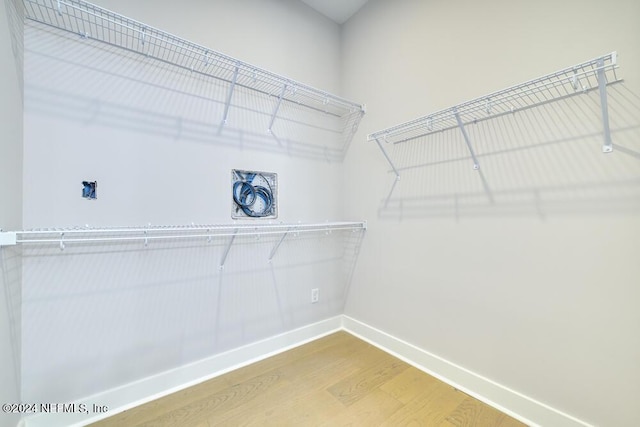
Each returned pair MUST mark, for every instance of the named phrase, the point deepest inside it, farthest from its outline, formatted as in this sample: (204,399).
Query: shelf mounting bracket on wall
(275,248)
(476,165)
(229,95)
(386,156)
(228,248)
(602,86)
(275,110)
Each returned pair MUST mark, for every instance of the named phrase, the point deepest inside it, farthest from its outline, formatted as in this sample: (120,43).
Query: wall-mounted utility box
(254,194)
(90,190)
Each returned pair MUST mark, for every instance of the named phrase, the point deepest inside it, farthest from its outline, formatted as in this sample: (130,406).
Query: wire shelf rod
(100,24)
(196,227)
(146,234)
(570,81)
(468,110)
(451,124)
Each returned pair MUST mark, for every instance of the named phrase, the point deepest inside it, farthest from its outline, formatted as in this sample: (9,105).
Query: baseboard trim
(511,402)
(151,388)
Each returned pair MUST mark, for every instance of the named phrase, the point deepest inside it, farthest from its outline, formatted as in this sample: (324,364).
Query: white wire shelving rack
(592,75)
(93,22)
(63,237)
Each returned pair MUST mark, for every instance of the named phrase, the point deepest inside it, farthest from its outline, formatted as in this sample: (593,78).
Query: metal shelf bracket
(229,95)
(386,156)
(476,165)
(275,248)
(275,110)
(227,249)
(602,86)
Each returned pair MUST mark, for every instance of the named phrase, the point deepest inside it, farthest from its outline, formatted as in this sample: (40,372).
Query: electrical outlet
(314,295)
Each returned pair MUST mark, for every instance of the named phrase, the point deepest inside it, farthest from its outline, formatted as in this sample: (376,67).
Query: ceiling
(337,10)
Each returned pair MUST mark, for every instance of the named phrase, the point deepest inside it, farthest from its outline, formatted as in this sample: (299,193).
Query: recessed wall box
(254,194)
(89,190)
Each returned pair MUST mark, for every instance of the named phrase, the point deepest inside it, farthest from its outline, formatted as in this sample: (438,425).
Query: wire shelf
(594,75)
(568,82)
(63,236)
(93,22)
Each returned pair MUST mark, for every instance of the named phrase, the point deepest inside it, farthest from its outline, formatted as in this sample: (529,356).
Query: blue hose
(245,196)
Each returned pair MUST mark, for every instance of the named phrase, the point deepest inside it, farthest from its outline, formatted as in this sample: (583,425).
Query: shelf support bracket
(476,165)
(229,95)
(275,248)
(386,156)
(227,249)
(275,110)
(602,85)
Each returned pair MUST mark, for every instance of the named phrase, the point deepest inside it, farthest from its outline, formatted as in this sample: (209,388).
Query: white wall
(96,317)
(539,291)
(11,203)
(11,116)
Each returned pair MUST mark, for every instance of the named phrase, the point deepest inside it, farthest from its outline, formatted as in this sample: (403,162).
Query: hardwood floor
(337,380)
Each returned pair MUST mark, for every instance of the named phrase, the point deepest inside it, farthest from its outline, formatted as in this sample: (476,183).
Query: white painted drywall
(540,296)
(11,117)
(10,203)
(100,316)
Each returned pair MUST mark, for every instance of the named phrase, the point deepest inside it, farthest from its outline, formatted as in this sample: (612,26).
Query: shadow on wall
(96,84)
(15,18)
(539,162)
(122,312)
(10,274)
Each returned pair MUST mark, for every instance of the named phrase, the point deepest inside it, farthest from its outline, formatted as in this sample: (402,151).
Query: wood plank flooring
(337,380)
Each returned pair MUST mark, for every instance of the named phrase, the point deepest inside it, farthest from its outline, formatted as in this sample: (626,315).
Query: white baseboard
(517,405)
(147,389)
